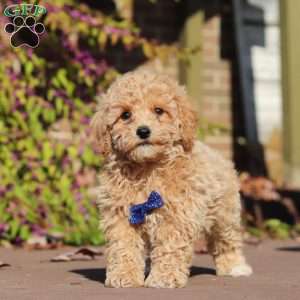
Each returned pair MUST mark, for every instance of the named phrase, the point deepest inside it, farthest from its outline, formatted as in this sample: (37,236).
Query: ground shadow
(201,271)
(291,249)
(96,274)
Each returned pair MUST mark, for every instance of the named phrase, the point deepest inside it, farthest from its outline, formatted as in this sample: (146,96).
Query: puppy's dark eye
(159,111)
(126,115)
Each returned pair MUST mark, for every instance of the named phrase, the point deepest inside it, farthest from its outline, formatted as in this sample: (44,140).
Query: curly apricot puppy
(146,128)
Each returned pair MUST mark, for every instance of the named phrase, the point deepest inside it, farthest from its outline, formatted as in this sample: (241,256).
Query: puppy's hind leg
(225,239)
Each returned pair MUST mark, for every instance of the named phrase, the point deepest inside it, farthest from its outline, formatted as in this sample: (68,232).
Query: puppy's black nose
(143,132)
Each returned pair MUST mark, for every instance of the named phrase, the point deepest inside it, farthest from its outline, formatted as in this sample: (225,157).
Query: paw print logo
(24,31)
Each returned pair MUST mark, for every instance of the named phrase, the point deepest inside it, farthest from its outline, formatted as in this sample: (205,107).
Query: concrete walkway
(31,276)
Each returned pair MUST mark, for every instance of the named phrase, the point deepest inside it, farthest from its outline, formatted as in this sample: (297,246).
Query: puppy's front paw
(123,281)
(236,271)
(170,280)
(241,270)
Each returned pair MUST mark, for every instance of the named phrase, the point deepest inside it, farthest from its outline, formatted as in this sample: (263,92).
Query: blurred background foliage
(47,96)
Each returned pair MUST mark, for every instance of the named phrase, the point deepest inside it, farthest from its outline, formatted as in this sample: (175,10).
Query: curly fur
(200,189)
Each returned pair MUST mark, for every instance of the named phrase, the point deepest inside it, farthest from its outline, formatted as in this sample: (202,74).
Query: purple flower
(83,210)
(37,230)
(84,120)
(42,211)
(112,30)
(78,196)
(3,228)
(88,60)
(18,241)
(15,157)
(66,161)
(38,191)
(30,92)
(2,190)
(102,68)
(84,18)
(93,22)
(30,52)
(74,13)
(24,114)
(51,8)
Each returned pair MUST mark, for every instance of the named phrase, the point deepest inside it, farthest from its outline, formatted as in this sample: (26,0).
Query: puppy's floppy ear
(188,121)
(100,133)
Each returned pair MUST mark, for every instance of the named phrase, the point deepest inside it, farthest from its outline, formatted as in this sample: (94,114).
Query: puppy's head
(142,116)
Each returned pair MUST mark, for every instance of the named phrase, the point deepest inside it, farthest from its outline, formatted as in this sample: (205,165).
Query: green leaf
(28,68)
(68,85)
(88,156)
(72,151)
(20,120)
(47,151)
(24,232)
(59,150)
(102,39)
(14,228)
(59,104)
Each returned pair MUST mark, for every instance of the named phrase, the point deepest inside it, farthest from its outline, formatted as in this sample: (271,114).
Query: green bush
(47,96)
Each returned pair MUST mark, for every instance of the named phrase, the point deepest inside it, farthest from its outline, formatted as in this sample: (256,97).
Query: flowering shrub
(47,96)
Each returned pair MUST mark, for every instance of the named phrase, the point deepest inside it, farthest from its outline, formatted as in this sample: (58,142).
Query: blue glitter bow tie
(138,212)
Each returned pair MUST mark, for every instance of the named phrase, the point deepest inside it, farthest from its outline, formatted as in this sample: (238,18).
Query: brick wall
(216,77)
(216,83)
(164,22)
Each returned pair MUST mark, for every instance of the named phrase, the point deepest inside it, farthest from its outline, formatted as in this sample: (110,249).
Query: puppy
(160,188)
